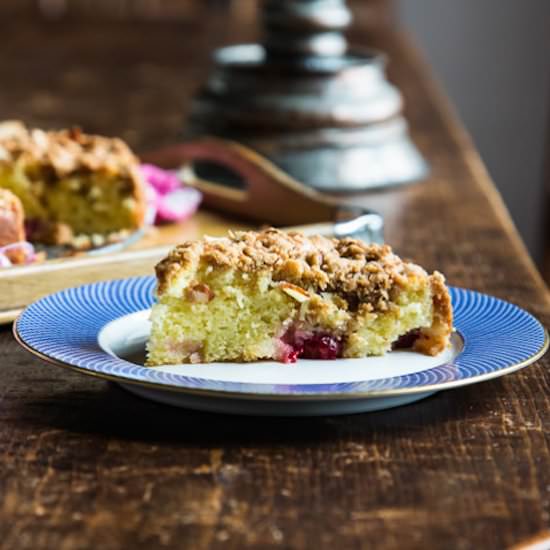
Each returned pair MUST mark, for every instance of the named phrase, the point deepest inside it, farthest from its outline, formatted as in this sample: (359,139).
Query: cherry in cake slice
(284,296)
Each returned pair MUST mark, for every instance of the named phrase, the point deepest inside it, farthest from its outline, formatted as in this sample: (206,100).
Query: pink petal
(4,261)
(178,205)
(162,181)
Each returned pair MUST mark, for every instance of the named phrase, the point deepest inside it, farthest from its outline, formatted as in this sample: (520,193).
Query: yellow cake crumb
(71,184)
(260,295)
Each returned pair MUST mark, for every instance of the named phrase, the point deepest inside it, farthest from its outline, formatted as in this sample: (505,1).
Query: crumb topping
(350,268)
(66,151)
(433,339)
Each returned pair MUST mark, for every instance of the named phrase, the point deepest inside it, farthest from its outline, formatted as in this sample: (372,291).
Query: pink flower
(162,181)
(172,201)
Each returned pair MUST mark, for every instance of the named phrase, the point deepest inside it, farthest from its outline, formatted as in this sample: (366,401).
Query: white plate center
(126,337)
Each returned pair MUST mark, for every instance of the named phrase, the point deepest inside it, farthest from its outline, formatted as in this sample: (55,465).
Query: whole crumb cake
(282,296)
(75,188)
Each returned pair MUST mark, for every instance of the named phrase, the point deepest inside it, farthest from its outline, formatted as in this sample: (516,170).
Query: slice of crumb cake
(282,296)
(77,189)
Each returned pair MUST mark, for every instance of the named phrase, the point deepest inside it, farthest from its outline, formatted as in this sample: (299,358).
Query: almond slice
(199,293)
(295,292)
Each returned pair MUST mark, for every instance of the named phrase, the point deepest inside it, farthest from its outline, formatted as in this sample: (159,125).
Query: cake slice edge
(272,295)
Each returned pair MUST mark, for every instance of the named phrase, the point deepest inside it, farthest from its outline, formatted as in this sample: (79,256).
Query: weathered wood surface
(85,465)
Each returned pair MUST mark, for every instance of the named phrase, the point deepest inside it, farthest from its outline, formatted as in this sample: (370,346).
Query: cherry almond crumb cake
(284,296)
(76,189)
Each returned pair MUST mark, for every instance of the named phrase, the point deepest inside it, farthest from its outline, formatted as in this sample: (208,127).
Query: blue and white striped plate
(101,329)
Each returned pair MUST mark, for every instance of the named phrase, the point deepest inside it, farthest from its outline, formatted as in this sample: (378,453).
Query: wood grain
(85,465)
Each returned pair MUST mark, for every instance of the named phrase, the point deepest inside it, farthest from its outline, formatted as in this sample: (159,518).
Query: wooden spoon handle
(271,195)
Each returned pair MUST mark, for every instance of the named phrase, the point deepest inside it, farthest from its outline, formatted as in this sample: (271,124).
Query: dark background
(491,57)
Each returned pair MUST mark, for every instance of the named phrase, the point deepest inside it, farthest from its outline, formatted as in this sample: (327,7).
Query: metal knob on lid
(320,110)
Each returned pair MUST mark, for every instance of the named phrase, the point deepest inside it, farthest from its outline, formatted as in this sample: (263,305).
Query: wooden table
(86,465)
